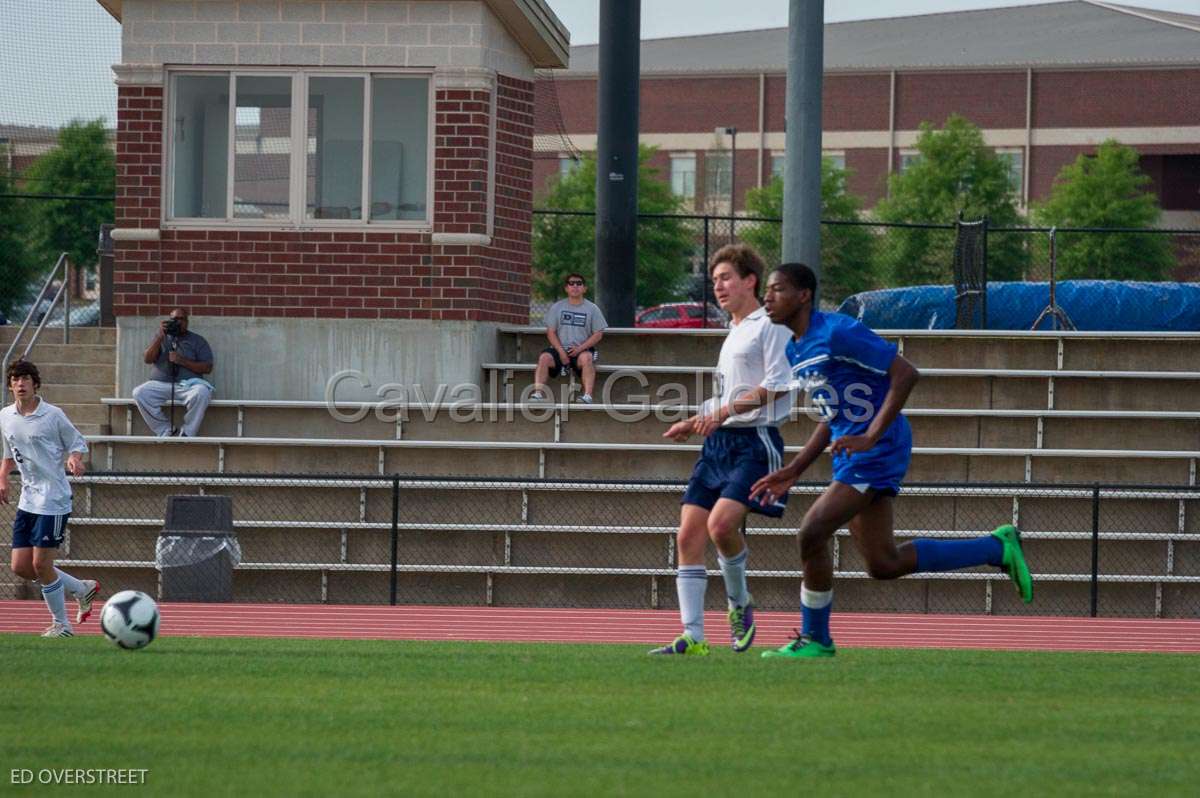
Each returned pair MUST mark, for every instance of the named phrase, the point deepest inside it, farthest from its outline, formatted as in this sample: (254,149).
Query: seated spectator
(574,326)
(180,359)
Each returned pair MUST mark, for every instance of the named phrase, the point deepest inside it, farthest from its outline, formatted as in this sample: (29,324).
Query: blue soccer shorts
(883,466)
(733,459)
(40,531)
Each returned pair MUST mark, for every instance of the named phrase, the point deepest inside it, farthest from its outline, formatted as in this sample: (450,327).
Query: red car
(680,315)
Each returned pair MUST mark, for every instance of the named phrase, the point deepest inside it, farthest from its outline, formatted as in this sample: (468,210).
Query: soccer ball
(130,619)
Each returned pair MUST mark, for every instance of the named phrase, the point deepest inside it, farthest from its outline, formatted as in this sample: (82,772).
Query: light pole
(732,133)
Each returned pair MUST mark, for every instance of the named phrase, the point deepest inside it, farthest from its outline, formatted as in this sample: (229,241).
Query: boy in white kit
(37,438)
(742,444)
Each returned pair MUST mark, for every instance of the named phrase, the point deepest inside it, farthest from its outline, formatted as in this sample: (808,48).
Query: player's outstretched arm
(778,482)
(904,376)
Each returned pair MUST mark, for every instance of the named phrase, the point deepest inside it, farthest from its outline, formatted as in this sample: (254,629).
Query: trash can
(197,549)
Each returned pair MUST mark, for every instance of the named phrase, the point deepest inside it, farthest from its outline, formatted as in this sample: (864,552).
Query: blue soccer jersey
(843,366)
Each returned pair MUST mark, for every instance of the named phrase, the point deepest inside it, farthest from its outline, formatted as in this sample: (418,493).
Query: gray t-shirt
(574,323)
(191,346)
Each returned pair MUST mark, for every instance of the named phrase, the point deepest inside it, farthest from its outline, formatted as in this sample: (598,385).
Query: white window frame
(1018,189)
(298,172)
(906,154)
(682,156)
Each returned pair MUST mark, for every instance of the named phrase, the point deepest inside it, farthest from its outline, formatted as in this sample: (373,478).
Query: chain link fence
(1107,550)
(860,256)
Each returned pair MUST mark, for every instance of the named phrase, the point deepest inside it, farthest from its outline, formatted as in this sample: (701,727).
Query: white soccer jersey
(754,355)
(40,443)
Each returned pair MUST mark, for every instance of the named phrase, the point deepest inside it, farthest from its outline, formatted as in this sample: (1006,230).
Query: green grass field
(243,716)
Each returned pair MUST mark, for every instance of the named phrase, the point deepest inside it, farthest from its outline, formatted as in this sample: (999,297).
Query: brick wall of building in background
(340,274)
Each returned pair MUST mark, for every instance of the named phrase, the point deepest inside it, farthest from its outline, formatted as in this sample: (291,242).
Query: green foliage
(1106,190)
(14,264)
(81,165)
(956,173)
(847,256)
(565,244)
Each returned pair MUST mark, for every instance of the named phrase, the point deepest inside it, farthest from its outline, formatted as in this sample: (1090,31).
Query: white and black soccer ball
(130,619)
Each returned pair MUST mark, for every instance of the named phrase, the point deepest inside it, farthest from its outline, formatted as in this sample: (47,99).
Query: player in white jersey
(38,437)
(752,396)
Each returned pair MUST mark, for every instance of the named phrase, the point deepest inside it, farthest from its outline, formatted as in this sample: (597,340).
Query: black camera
(173,327)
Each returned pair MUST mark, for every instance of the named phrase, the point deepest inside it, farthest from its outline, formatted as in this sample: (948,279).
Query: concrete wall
(329,33)
(260,358)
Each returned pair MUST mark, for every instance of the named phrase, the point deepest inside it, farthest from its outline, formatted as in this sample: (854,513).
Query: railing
(1094,549)
(64,265)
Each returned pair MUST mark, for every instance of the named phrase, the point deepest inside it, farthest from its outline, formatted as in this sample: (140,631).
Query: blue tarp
(1108,305)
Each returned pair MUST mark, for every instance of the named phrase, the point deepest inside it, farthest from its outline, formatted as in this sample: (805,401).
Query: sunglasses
(574,282)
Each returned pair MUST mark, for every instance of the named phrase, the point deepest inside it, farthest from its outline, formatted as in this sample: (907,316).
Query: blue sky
(56,55)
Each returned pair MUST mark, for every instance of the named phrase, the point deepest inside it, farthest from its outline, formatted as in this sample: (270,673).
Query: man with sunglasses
(574,326)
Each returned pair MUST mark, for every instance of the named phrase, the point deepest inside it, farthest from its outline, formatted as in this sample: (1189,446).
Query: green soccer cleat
(683,644)
(1014,561)
(803,647)
(742,626)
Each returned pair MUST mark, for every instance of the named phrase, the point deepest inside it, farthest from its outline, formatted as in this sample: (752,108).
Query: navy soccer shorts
(40,531)
(733,459)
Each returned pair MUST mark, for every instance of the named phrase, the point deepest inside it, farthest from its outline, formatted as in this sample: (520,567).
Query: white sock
(734,572)
(56,601)
(74,586)
(815,599)
(691,582)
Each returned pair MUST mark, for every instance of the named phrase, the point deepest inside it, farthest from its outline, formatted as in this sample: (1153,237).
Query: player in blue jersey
(858,383)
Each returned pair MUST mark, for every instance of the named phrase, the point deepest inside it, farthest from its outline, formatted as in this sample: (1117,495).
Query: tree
(847,251)
(955,173)
(1106,190)
(14,265)
(565,244)
(82,165)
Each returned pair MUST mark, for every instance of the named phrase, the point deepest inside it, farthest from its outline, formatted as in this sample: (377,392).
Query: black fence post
(1095,547)
(704,272)
(395,535)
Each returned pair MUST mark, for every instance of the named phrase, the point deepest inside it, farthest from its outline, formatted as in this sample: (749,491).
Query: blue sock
(815,608)
(950,555)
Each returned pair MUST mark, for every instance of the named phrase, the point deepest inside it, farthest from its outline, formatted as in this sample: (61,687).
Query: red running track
(852,630)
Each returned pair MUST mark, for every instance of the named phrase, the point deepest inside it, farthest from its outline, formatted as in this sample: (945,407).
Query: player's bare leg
(873,531)
(830,512)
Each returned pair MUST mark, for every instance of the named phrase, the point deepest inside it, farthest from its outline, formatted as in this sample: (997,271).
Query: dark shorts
(558,364)
(733,459)
(40,531)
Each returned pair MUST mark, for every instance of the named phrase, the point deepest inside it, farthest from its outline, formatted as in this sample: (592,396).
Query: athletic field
(266,716)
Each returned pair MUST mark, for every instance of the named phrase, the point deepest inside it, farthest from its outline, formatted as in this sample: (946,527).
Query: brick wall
(360,274)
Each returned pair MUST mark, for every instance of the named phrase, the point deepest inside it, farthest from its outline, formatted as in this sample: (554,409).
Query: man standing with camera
(180,359)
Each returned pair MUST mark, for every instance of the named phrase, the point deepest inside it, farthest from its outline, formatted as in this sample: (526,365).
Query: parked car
(675,315)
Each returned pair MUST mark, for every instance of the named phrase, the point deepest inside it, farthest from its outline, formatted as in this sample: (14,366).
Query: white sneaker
(91,589)
(57,629)
(537,396)
(586,398)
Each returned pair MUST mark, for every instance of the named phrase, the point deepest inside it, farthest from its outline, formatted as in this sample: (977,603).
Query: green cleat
(683,644)
(1014,561)
(803,647)
(742,626)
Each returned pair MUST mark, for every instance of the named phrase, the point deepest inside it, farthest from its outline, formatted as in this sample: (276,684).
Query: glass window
(718,168)
(399,148)
(346,155)
(263,141)
(683,176)
(567,165)
(778,164)
(838,158)
(200,136)
(1015,161)
(907,159)
(334,139)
